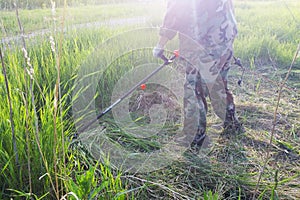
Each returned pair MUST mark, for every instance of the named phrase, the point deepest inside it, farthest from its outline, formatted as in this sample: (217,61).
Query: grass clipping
(232,167)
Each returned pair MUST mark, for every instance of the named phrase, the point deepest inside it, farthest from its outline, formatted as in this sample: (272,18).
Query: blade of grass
(10,110)
(56,102)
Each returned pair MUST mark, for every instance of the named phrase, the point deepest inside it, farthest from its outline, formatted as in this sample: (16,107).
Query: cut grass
(232,168)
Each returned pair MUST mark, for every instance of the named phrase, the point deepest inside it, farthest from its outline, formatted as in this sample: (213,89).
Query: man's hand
(158,51)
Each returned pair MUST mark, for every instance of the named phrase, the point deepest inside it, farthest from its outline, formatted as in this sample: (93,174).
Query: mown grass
(266,46)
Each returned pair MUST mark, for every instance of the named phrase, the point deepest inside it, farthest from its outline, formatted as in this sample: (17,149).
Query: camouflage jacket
(209,22)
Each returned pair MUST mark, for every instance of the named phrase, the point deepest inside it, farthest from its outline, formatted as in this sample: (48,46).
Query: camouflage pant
(206,76)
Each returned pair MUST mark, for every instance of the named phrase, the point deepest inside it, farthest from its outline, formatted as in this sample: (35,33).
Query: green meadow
(68,51)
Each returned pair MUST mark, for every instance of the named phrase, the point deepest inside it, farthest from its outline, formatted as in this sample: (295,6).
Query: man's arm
(170,23)
(169,27)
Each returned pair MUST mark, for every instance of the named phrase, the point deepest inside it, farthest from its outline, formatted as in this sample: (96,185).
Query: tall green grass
(39,148)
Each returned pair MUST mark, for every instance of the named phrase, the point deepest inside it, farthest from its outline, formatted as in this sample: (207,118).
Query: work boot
(198,142)
(231,123)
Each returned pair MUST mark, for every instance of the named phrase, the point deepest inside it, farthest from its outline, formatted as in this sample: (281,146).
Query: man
(206,31)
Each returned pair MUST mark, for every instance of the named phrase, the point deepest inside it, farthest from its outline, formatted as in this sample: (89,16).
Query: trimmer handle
(168,61)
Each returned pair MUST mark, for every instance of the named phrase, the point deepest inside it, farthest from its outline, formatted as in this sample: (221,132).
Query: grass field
(41,83)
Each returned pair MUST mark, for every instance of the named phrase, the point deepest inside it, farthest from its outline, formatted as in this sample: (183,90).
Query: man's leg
(231,123)
(201,94)
(195,109)
(223,101)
